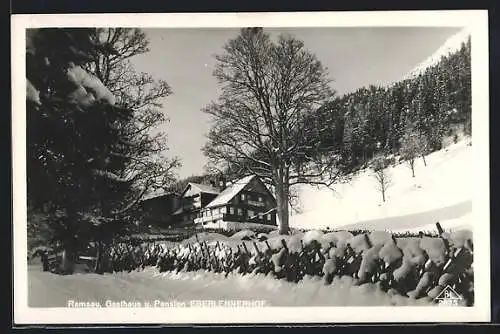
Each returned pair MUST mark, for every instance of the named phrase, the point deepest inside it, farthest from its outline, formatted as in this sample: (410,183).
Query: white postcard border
(475,20)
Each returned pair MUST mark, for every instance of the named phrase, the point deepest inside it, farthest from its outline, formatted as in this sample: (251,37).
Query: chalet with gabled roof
(247,200)
(193,198)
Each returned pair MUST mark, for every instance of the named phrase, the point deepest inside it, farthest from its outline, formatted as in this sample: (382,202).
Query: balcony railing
(232,217)
(204,219)
(255,203)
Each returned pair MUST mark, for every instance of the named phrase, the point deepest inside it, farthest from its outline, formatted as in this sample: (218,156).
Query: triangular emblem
(448,293)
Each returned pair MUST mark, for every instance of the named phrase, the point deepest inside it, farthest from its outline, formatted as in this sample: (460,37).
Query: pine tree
(434,103)
(82,157)
(70,117)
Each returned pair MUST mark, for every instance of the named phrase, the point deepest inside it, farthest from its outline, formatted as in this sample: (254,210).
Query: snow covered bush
(418,268)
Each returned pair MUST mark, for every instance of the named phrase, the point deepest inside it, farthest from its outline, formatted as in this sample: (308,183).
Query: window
(260,215)
(240,212)
(231,210)
(268,217)
(260,198)
(250,214)
(243,197)
(223,210)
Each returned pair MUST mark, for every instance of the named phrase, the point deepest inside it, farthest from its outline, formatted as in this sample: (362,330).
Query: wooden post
(256,248)
(283,242)
(445,241)
(327,250)
(368,241)
(470,245)
(439,228)
(245,247)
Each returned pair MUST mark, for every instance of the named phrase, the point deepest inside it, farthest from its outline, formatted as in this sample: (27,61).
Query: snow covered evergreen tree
(82,158)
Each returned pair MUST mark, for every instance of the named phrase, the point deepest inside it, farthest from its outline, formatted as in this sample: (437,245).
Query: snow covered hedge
(416,267)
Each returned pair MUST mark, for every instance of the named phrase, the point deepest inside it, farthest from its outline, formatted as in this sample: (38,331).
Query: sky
(355,57)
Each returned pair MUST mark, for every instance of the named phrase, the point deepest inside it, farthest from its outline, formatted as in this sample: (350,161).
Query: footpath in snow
(50,290)
(440,191)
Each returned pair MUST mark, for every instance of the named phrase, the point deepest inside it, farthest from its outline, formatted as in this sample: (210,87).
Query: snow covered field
(49,290)
(440,191)
(413,204)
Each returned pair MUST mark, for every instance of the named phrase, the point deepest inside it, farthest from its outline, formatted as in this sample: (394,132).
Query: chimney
(222,182)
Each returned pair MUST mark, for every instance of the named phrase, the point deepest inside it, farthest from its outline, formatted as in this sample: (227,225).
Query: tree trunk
(383,195)
(412,165)
(98,261)
(282,206)
(425,162)
(68,259)
(69,244)
(45,261)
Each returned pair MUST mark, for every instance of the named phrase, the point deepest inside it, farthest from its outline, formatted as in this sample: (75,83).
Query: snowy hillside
(440,191)
(451,45)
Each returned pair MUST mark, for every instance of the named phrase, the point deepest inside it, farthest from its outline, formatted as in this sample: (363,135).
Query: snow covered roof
(202,188)
(158,193)
(206,189)
(230,191)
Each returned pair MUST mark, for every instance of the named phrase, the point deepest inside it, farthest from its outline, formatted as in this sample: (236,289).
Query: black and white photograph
(314,167)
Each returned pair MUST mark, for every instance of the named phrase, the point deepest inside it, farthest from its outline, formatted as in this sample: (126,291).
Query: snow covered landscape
(413,205)
(440,191)
(114,218)
(451,45)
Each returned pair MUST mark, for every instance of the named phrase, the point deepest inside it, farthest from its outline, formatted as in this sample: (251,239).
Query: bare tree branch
(261,119)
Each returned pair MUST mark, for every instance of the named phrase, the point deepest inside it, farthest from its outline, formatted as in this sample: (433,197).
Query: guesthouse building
(194,197)
(247,201)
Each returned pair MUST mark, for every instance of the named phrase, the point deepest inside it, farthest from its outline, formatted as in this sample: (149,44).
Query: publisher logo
(448,297)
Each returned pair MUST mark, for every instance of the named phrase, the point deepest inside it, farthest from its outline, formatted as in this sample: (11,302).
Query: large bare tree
(263,120)
(145,145)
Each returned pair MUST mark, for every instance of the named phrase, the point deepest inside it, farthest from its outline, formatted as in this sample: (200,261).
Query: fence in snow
(418,267)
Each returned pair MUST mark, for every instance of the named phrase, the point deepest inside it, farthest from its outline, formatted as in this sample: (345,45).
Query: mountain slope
(440,191)
(451,45)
